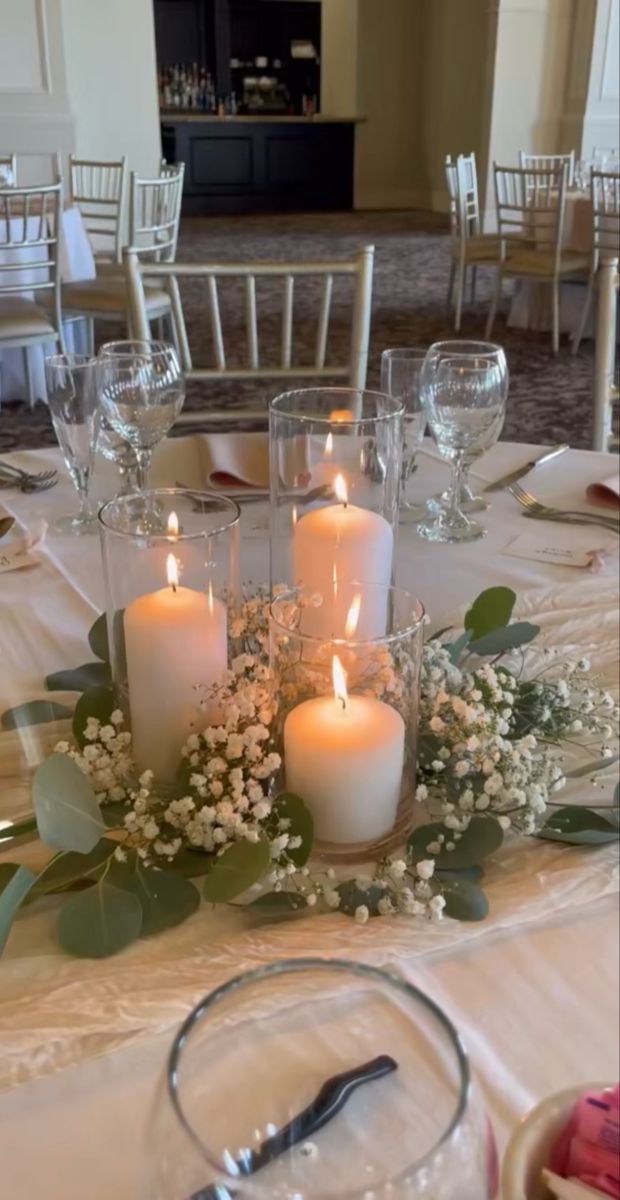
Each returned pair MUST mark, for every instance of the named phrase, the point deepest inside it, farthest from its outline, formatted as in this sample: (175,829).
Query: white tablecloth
(534,989)
(76,261)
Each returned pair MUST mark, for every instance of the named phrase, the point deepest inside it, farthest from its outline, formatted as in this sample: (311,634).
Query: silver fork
(535,508)
(40,485)
(7,469)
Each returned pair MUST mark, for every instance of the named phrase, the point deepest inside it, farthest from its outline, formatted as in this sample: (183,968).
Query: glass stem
(454,516)
(143,466)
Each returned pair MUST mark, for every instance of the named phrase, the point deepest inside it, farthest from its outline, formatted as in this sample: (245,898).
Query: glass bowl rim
(406,351)
(489,351)
(398,407)
(69,360)
(153,348)
(409,630)
(169,491)
(339,965)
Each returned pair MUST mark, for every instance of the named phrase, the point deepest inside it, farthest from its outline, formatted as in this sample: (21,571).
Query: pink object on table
(589,1147)
(606,492)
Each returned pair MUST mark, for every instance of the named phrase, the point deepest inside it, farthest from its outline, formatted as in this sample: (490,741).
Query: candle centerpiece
(337,518)
(170,571)
(350,754)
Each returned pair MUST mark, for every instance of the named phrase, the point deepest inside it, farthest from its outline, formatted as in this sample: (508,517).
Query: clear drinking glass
(113,447)
(141,389)
(74,409)
(401,371)
(256,1053)
(465,386)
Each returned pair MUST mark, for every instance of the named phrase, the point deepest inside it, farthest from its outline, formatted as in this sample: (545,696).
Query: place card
(15,558)
(569,547)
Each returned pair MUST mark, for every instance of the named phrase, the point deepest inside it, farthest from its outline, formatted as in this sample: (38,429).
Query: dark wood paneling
(221,162)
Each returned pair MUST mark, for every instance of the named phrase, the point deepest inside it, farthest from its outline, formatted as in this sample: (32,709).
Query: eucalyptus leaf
(7,871)
(34,712)
(99,922)
(65,805)
(291,808)
(79,679)
(68,867)
(456,648)
(482,838)
(98,639)
(167,899)
(242,865)
(96,702)
(113,814)
(509,638)
(465,901)
(189,863)
(6,523)
(352,897)
(492,610)
(278,904)
(11,898)
(577,825)
(472,874)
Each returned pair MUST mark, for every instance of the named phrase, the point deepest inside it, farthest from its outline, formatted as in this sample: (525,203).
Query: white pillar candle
(334,545)
(344,756)
(175,639)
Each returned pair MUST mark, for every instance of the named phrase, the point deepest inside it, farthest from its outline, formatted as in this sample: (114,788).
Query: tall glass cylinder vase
(171,568)
(347,715)
(335,464)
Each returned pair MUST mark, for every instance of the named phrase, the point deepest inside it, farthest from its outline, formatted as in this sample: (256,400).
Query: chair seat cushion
(107,294)
(482,246)
(20,318)
(541,263)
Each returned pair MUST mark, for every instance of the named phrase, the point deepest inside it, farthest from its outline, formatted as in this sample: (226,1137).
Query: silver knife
(513,476)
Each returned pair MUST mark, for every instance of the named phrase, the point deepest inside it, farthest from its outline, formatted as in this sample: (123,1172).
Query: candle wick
(343,702)
(174,588)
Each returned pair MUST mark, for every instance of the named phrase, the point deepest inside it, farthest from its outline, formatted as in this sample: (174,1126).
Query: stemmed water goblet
(74,409)
(401,370)
(141,390)
(465,388)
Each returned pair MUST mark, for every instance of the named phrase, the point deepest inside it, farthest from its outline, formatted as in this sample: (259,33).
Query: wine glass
(465,388)
(242,1109)
(401,371)
(117,450)
(141,389)
(72,401)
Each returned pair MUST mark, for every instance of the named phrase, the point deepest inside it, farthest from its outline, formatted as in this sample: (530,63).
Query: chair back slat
(530,207)
(98,189)
(155,213)
(168,275)
(29,234)
(8,170)
(605,191)
(605,395)
(550,163)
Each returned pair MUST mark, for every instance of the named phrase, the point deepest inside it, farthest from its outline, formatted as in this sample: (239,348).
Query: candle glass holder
(347,715)
(171,571)
(335,467)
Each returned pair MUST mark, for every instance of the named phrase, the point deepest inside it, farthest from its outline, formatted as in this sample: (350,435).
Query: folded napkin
(606,492)
(235,460)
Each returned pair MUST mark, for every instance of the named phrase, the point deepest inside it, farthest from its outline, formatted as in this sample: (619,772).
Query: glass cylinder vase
(347,715)
(171,570)
(335,459)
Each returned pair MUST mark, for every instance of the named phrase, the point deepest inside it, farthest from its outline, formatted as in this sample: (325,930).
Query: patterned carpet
(550,398)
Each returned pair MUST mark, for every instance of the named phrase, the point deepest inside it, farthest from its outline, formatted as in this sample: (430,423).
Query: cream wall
(339,58)
(601,122)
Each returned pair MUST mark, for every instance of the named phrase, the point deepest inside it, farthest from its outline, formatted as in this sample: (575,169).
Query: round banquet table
(533,989)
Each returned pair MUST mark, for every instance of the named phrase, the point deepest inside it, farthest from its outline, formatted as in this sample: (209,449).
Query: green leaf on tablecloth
(482,838)
(69,867)
(113,814)
(509,638)
(464,900)
(353,896)
(11,898)
(35,712)
(96,702)
(277,905)
(79,679)
(579,826)
(6,523)
(472,874)
(492,610)
(291,808)
(456,648)
(167,899)
(236,870)
(7,871)
(65,806)
(99,922)
(98,639)
(189,863)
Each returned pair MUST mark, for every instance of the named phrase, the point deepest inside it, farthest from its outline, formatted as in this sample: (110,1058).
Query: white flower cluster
(105,758)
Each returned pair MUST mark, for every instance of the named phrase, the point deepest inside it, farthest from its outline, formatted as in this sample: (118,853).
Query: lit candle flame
(329,445)
(172,571)
(173,525)
(353,617)
(339,680)
(210,598)
(339,415)
(340,489)
(294,515)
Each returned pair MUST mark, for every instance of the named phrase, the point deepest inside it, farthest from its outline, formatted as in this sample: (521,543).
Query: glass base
(468,503)
(439,530)
(411,513)
(76,525)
